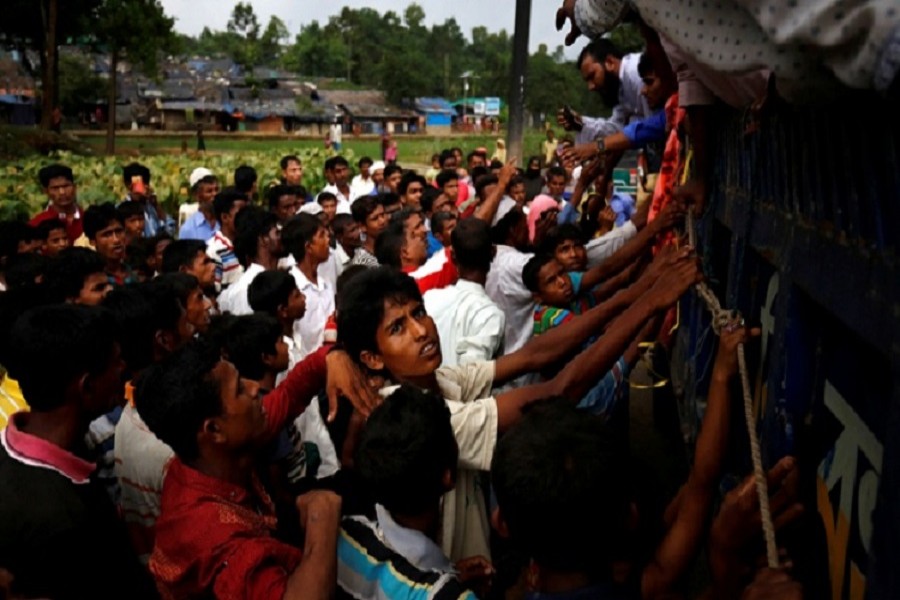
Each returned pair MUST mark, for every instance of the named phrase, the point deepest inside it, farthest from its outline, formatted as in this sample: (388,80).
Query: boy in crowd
(362,184)
(215,531)
(442,225)
(133,219)
(470,325)
(195,303)
(137,181)
(190,257)
(105,231)
(58,184)
(447,182)
(77,276)
(152,324)
(346,239)
(391,203)
(369,215)
(383,324)
(54,237)
(307,240)
(220,247)
(340,170)
(406,460)
(257,245)
(284,201)
(328,202)
(411,187)
(197,219)
(255,346)
(275,293)
(556,182)
(291,170)
(156,247)
(402,246)
(566,244)
(52,511)
(392,176)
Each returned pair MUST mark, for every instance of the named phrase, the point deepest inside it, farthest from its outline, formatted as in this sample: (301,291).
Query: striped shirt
(381,560)
(228,269)
(547,317)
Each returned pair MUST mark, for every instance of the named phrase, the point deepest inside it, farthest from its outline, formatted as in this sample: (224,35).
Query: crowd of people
(401,385)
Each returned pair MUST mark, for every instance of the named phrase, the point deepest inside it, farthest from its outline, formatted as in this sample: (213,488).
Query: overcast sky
(191,16)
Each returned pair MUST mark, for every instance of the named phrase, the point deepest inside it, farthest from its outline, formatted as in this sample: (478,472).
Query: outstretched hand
(567,12)
(346,379)
(676,280)
(726,364)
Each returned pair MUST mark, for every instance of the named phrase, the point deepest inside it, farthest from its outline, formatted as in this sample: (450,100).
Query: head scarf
(541,204)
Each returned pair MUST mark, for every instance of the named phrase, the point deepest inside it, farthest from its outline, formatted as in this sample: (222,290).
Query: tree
(316,54)
(78,84)
(243,22)
(414,16)
(132,29)
(270,43)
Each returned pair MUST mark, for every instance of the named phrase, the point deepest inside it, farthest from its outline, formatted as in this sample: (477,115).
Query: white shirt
(343,202)
(330,269)
(234,299)
(310,330)
(294,356)
(631,104)
(504,286)
(361,187)
(601,248)
(470,325)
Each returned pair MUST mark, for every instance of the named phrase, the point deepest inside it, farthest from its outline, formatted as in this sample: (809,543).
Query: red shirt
(437,272)
(73,228)
(214,538)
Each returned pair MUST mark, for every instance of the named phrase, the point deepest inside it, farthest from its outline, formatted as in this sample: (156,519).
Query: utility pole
(516,126)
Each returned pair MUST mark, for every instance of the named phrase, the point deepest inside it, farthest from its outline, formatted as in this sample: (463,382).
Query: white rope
(720,319)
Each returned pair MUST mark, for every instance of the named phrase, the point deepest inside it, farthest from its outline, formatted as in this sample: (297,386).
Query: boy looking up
(220,246)
(54,517)
(255,346)
(258,247)
(383,324)
(104,229)
(58,184)
(275,293)
(566,244)
(407,460)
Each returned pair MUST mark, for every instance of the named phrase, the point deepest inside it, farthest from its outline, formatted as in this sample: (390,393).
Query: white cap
(198,174)
(377,165)
(310,208)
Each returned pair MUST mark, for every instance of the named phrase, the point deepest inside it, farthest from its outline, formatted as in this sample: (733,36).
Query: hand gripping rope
(721,319)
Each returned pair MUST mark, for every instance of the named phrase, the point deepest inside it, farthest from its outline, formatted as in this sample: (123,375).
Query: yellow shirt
(11,400)
(549,151)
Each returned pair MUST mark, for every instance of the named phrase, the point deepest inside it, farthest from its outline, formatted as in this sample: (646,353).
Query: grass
(412,149)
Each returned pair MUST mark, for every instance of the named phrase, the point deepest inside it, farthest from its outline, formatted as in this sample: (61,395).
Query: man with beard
(615,77)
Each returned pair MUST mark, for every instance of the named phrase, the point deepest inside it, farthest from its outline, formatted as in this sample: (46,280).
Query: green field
(412,149)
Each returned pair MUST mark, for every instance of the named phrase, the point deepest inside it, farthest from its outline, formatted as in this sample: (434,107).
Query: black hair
(391,169)
(484,181)
(496,164)
(44,228)
(66,274)
(598,49)
(557,171)
(249,337)
(276,192)
(362,207)
(224,201)
(326,196)
(402,215)
(182,285)
(472,245)
(561,482)
(406,447)
(532,270)
(558,235)
(140,311)
(98,217)
(250,224)
(175,397)
(11,234)
(429,195)
(446,155)
(645,65)
(390,244)
(340,222)
(153,242)
(473,154)
(438,220)
(479,172)
(130,209)
(361,306)
(69,340)
(365,160)
(349,273)
(13,304)
(181,254)
(446,176)
(297,232)
(135,170)
(339,160)
(500,231)
(54,171)
(269,290)
(25,269)
(516,180)
(285,160)
(328,165)
(408,178)
(244,178)
(388,199)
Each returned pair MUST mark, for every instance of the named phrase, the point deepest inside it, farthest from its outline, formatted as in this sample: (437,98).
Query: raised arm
(487,209)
